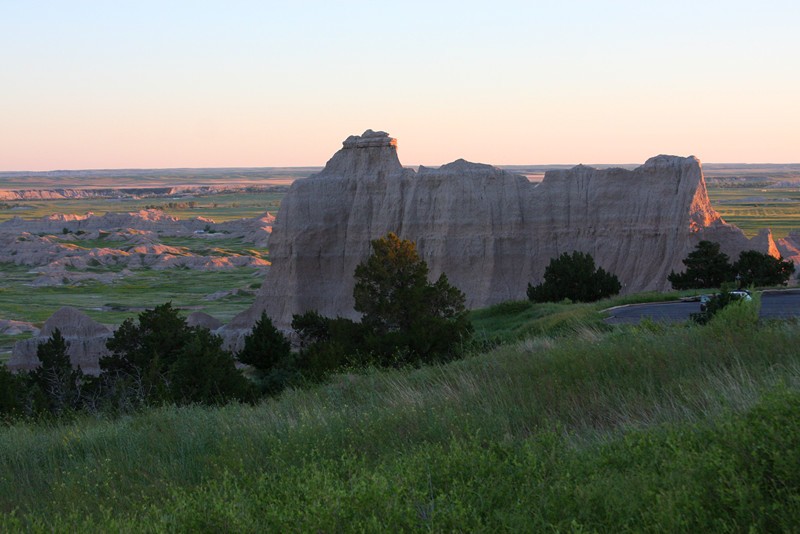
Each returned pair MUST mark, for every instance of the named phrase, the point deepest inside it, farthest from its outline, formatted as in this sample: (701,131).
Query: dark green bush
(12,391)
(757,269)
(162,359)
(55,385)
(265,347)
(706,267)
(205,373)
(269,352)
(403,313)
(574,277)
(327,344)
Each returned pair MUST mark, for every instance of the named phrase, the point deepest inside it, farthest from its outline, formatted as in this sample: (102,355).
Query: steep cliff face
(637,224)
(492,232)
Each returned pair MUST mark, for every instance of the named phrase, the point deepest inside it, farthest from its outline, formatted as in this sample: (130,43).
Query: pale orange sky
(96,84)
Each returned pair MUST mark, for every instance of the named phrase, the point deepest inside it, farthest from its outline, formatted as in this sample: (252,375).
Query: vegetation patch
(114,302)
(574,277)
(219,207)
(753,207)
(676,428)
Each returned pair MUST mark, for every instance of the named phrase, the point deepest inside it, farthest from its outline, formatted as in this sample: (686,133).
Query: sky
(158,84)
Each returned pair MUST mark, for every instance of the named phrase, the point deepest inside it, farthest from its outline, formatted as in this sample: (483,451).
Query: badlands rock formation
(12,328)
(203,320)
(147,220)
(490,231)
(789,247)
(129,240)
(85,337)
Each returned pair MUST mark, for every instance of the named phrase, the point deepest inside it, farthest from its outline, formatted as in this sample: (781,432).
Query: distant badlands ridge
(10,195)
(148,183)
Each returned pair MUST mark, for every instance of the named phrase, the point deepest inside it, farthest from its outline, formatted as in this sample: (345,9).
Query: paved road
(774,305)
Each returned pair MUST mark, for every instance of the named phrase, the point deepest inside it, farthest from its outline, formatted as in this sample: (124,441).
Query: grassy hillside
(678,428)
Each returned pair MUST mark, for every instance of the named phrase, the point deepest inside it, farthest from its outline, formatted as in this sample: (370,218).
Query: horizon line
(499,165)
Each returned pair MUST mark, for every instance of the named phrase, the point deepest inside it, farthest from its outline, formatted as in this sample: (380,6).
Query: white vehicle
(741,294)
(736,294)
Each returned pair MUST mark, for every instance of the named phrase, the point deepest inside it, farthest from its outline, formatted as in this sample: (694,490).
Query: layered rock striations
(492,232)
(130,240)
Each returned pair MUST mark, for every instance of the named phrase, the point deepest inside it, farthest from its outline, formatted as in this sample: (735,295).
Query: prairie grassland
(753,208)
(114,302)
(143,178)
(144,288)
(515,320)
(221,207)
(111,303)
(650,428)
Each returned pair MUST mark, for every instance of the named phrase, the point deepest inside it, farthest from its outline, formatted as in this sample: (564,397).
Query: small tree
(58,385)
(327,344)
(265,347)
(12,391)
(205,373)
(402,312)
(390,285)
(142,353)
(574,276)
(161,358)
(269,352)
(757,269)
(706,267)
(311,327)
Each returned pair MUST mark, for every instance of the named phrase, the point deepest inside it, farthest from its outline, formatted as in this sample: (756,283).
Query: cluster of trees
(405,320)
(708,267)
(574,277)
(160,359)
(156,359)
(54,387)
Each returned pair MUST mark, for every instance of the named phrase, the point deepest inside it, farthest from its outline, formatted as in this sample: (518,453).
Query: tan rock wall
(492,232)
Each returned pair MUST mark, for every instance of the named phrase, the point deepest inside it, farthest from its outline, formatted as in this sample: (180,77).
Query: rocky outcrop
(86,342)
(203,320)
(789,247)
(150,220)
(13,328)
(143,220)
(128,240)
(492,232)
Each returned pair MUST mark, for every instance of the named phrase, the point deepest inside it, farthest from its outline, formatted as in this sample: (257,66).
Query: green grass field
(651,428)
(220,208)
(113,303)
(148,178)
(752,209)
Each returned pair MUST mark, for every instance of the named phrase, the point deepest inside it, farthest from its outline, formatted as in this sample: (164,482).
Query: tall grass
(641,428)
